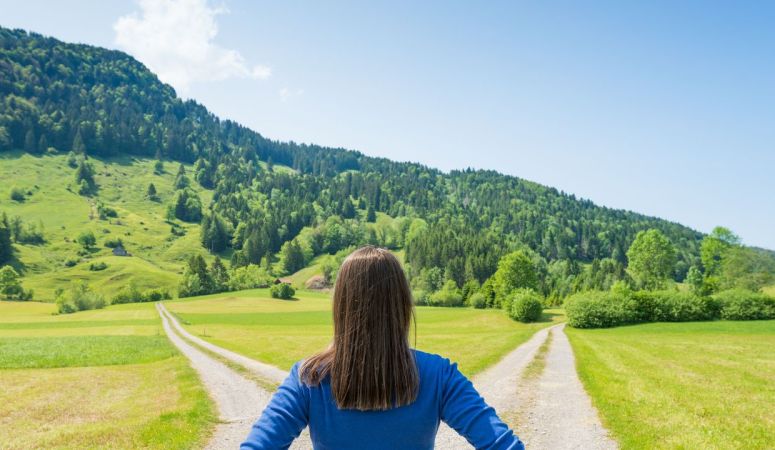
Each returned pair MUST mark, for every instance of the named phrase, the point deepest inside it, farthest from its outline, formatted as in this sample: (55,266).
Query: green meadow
(707,385)
(52,201)
(281,332)
(96,379)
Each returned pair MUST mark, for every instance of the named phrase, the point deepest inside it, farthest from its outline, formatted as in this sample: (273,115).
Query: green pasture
(95,379)
(707,385)
(157,257)
(281,332)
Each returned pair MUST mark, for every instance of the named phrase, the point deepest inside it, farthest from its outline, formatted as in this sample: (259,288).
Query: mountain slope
(57,97)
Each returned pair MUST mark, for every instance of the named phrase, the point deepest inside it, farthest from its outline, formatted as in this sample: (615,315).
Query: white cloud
(174,38)
(286,93)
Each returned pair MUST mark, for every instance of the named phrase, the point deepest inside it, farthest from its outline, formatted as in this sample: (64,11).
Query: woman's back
(444,394)
(369,389)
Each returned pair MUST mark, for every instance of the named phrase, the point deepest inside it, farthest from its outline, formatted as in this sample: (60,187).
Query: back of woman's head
(369,361)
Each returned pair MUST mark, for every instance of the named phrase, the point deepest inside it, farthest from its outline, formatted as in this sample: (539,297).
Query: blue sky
(665,108)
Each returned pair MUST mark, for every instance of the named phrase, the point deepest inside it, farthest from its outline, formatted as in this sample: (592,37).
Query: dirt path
(239,401)
(556,412)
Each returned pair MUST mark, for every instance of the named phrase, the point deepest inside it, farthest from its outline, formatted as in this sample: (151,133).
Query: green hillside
(271,207)
(157,257)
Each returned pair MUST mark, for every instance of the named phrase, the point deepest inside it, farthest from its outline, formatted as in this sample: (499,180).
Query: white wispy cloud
(175,39)
(286,93)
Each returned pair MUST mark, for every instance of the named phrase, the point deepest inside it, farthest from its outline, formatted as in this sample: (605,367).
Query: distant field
(682,385)
(107,379)
(769,290)
(281,332)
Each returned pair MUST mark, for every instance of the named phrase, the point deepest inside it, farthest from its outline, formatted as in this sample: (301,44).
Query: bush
(525,305)
(477,300)
(672,306)
(448,295)
(113,243)
(596,309)
(17,194)
(70,262)
(131,294)
(79,297)
(96,267)
(282,290)
(249,277)
(420,297)
(741,304)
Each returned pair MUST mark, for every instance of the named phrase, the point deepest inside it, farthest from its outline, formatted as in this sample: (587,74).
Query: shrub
(596,309)
(420,297)
(96,267)
(672,306)
(249,277)
(70,262)
(448,295)
(17,194)
(525,305)
(477,300)
(131,294)
(741,304)
(79,297)
(113,243)
(282,290)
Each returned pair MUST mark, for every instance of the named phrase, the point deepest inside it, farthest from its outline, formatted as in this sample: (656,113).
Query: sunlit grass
(157,405)
(281,332)
(124,386)
(682,385)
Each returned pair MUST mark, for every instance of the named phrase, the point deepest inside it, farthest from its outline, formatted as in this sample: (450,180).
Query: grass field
(769,290)
(707,385)
(95,379)
(158,256)
(281,332)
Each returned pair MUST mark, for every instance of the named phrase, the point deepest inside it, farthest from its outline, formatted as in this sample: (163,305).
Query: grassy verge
(281,332)
(682,385)
(96,379)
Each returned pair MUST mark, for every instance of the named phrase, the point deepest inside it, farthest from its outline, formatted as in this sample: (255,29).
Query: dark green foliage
(741,304)
(84,177)
(282,290)
(131,294)
(113,242)
(11,286)
(106,211)
(292,256)
(215,233)
(525,306)
(96,267)
(6,250)
(86,239)
(151,193)
(371,215)
(187,206)
(17,194)
(673,306)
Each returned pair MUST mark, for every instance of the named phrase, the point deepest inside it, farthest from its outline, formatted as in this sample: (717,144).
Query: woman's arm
(283,419)
(465,411)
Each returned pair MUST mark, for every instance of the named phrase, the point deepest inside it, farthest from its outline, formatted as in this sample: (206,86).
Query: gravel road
(556,412)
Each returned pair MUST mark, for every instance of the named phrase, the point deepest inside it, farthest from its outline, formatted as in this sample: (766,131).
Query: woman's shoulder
(431,361)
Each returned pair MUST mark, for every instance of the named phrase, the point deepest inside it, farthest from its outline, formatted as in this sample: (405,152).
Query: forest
(277,205)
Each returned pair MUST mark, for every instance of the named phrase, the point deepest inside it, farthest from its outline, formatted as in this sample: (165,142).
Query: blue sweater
(445,394)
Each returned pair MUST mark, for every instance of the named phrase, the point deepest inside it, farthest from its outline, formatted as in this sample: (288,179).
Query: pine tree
(371,215)
(219,275)
(30,144)
(42,144)
(78,146)
(151,193)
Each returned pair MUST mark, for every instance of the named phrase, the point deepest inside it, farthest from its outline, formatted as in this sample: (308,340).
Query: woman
(369,389)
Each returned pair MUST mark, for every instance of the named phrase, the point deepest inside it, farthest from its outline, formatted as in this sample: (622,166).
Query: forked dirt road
(561,409)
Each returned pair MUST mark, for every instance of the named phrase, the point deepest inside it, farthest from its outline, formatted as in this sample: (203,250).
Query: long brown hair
(369,361)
